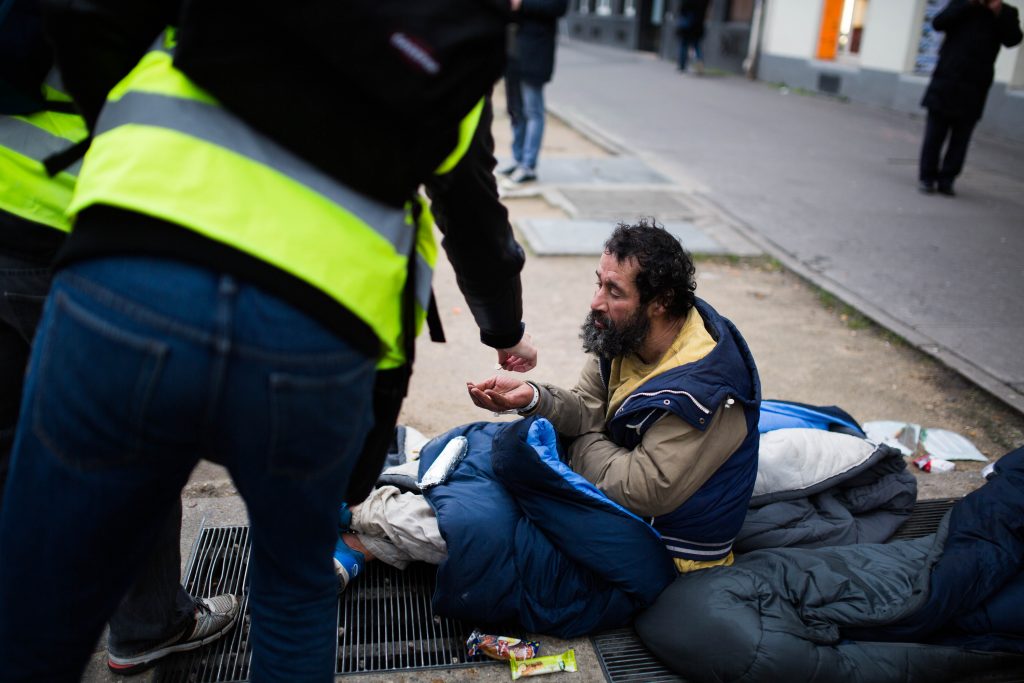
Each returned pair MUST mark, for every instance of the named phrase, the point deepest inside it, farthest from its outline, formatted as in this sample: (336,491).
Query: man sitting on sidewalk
(664,416)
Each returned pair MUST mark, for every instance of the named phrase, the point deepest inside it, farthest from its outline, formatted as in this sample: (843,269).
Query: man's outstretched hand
(500,393)
(520,358)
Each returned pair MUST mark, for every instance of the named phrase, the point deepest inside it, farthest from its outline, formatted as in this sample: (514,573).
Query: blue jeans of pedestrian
(526,110)
(141,367)
(157,607)
(684,51)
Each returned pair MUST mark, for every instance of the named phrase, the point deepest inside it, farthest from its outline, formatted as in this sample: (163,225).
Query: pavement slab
(560,237)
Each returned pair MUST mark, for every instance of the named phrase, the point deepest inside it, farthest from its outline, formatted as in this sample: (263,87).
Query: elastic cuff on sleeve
(502,340)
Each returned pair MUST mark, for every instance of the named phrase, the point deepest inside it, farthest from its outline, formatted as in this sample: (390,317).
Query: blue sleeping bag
(531,542)
(777,414)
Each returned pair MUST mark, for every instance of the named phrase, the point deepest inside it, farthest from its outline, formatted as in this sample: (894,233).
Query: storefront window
(842,28)
(931,40)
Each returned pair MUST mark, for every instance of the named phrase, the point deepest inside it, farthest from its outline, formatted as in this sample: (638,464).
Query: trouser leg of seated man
(397,528)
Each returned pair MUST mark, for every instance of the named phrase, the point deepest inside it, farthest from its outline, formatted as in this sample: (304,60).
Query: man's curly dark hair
(666,269)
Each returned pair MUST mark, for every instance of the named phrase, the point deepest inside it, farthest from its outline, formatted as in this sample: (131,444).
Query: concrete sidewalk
(828,188)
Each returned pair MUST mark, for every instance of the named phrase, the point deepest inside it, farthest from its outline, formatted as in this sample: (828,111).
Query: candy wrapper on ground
(501,647)
(929,464)
(543,665)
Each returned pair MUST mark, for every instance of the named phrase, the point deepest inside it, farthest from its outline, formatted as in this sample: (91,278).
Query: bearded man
(663,419)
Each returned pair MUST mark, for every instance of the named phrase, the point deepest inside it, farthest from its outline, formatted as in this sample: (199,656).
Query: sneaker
(508,170)
(523,175)
(348,564)
(214,616)
(926,187)
(946,189)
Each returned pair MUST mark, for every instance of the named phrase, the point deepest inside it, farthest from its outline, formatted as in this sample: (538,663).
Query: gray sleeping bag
(832,614)
(816,488)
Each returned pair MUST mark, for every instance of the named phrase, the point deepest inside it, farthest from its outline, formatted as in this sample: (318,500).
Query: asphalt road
(829,188)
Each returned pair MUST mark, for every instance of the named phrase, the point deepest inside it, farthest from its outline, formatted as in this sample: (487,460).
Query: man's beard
(614,341)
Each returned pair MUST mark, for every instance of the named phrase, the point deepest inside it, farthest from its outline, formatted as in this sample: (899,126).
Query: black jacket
(964,74)
(690,22)
(533,53)
(97,42)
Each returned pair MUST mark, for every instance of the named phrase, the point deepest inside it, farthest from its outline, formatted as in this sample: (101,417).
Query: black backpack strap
(60,107)
(62,160)
(434,320)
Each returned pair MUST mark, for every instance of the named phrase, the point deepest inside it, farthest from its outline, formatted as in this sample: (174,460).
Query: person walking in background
(690,31)
(531,64)
(955,98)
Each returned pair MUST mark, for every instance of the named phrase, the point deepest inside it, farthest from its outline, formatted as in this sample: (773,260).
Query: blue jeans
(157,607)
(23,286)
(526,110)
(141,367)
(684,51)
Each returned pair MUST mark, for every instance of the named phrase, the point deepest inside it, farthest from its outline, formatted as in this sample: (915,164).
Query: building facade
(649,25)
(876,51)
(879,52)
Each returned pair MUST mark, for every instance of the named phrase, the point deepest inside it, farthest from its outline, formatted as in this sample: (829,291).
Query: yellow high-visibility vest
(26,190)
(165,148)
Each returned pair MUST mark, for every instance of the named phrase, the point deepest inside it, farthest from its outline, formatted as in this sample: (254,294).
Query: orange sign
(828,37)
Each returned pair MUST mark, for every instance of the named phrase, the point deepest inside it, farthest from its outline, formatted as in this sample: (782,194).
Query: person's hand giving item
(520,358)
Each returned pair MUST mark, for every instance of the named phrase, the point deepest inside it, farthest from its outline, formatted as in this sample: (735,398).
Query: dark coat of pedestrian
(964,74)
(690,24)
(955,98)
(536,31)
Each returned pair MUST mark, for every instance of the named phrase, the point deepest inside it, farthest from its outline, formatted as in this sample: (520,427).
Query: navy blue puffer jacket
(531,542)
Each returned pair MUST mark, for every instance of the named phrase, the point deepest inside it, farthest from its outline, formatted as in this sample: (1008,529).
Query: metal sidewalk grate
(219,564)
(925,518)
(385,621)
(625,659)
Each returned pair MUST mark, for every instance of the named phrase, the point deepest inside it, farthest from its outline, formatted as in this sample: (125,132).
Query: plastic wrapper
(543,665)
(929,464)
(501,647)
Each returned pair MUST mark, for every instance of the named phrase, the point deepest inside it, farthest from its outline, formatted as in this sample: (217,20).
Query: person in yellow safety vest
(220,297)
(33,225)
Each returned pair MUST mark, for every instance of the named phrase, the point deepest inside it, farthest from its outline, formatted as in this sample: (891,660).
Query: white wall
(791,28)
(1010,66)
(887,39)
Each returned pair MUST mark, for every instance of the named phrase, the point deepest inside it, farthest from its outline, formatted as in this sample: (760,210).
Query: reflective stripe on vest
(26,190)
(163,147)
